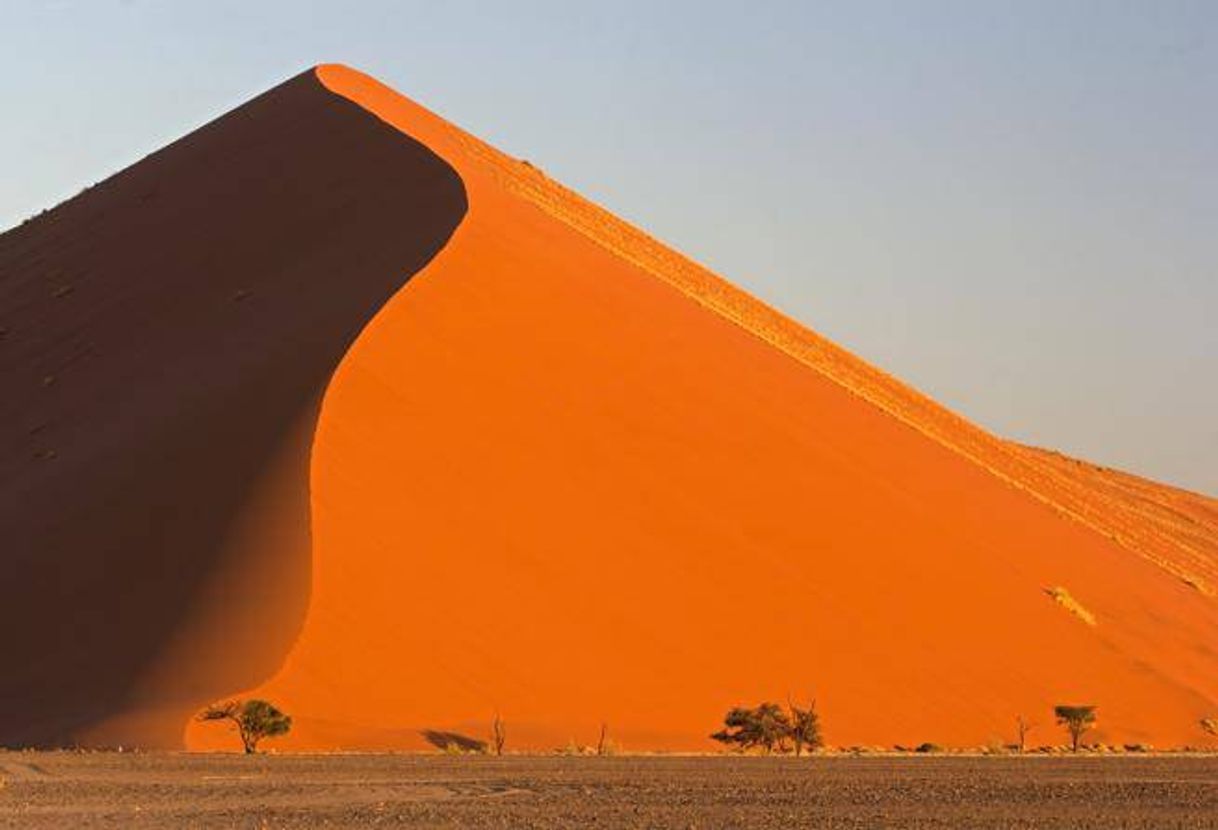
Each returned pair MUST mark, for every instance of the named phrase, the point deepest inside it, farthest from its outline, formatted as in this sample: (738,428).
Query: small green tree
(766,726)
(1077,720)
(254,719)
(805,728)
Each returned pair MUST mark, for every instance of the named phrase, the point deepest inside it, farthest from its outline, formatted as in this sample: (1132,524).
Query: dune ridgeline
(333,404)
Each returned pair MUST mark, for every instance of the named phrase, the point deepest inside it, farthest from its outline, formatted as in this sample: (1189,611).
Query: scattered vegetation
(768,727)
(995,746)
(805,728)
(453,743)
(498,734)
(1077,720)
(765,726)
(254,719)
(1023,727)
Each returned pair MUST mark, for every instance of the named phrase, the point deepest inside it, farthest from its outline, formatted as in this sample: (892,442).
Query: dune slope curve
(567,476)
(167,337)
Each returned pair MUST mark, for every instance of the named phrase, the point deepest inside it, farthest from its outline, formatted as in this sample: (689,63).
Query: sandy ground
(205,791)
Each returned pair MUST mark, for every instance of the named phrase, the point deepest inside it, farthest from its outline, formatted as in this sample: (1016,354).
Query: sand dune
(168,338)
(563,473)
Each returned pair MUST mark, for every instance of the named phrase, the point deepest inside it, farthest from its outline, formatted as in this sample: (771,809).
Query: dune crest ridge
(1170,527)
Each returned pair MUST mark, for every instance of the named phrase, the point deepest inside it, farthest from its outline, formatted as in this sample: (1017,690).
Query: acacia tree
(1077,720)
(766,726)
(804,727)
(254,719)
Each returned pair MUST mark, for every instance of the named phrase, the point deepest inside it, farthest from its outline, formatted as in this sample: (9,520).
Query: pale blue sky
(1012,205)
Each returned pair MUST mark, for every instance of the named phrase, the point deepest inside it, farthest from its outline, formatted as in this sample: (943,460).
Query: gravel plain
(156,790)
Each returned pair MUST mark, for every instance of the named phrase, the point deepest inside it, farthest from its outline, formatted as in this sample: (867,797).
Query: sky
(1012,206)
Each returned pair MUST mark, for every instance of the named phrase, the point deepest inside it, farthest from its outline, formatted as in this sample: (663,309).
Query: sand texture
(144,792)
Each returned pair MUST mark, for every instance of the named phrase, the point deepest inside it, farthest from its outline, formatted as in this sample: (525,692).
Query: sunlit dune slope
(650,497)
(568,476)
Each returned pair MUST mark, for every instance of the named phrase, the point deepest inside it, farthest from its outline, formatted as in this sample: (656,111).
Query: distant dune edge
(331,403)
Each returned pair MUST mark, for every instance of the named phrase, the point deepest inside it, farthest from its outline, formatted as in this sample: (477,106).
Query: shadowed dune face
(165,340)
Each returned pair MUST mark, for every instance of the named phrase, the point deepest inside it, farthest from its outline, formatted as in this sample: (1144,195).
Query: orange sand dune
(566,475)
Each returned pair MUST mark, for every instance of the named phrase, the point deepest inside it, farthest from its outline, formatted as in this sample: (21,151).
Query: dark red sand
(168,336)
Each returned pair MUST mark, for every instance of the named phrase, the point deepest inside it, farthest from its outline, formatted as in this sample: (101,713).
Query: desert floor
(179,790)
